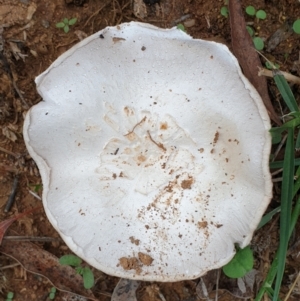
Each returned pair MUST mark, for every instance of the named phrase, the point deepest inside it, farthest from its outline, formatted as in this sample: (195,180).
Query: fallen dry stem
(160,145)
(96,13)
(289,77)
(20,95)
(292,287)
(8,152)
(9,266)
(32,238)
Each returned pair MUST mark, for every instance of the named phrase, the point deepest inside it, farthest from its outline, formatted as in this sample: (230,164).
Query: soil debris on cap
(145,258)
(130,263)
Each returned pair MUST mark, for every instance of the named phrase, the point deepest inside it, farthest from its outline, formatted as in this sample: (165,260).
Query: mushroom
(153,150)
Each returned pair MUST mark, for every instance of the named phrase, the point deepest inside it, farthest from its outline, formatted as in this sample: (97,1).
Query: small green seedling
(250,30)
(250,10)
(240,264)
(85,272)
(66,23)
(271,66)
(224,11)
(181,27)
(258,43)
(10,296)
(261,14)
(36,187)
(296,26)
(52,293)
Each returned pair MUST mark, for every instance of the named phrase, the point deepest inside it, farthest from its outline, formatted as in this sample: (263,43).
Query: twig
(183,18)
(35,195)
(160,145)
(279,147)
(8,152)
(8,168)
(204,289)
(217,284)
(139,123)
(9,266)
(31,238)
(161,296)
(289,77)
(95,13)
(11,198)
(20,94)
(292,287)
(276,172)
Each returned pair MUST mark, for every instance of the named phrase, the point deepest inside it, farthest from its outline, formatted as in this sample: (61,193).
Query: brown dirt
(30,42)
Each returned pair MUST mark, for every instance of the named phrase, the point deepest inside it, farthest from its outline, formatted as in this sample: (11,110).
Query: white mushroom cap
(153,150)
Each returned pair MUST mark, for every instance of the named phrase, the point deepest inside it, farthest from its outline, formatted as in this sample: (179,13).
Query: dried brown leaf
(9,134)
(38,261)
(4,225)
(125,290)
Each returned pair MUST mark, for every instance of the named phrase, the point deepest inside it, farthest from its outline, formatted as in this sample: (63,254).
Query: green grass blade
(297,182)
(286,208)
(279,164)
(267,217)
(285,91)
(295,216)
(267,284)
(297,144)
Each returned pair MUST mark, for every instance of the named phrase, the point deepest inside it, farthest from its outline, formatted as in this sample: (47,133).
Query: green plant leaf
(296,26)
(38,187)
(60,25)
(258,43)
(250,30)
(261,14)
(279,164)
(276,134)
(279,261)
(71,260)
(72,21)
(297,182)
(224,11)
(66,28)
(88,278)
(79,270)
(181,27)
(285,90)
(10,295)
(297,144)
(267,217)
(250,10)
(240,264)
(271,66)
(51,296)
(286,209)
(66,21)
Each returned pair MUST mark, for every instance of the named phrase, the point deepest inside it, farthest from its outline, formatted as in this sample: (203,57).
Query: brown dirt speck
(129,263)
(187,184)
(134,240)
(202,225)
(145,258)
(216,138)
(164,126)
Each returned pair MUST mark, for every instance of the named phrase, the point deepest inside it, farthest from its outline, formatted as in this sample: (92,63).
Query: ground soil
(30,42)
